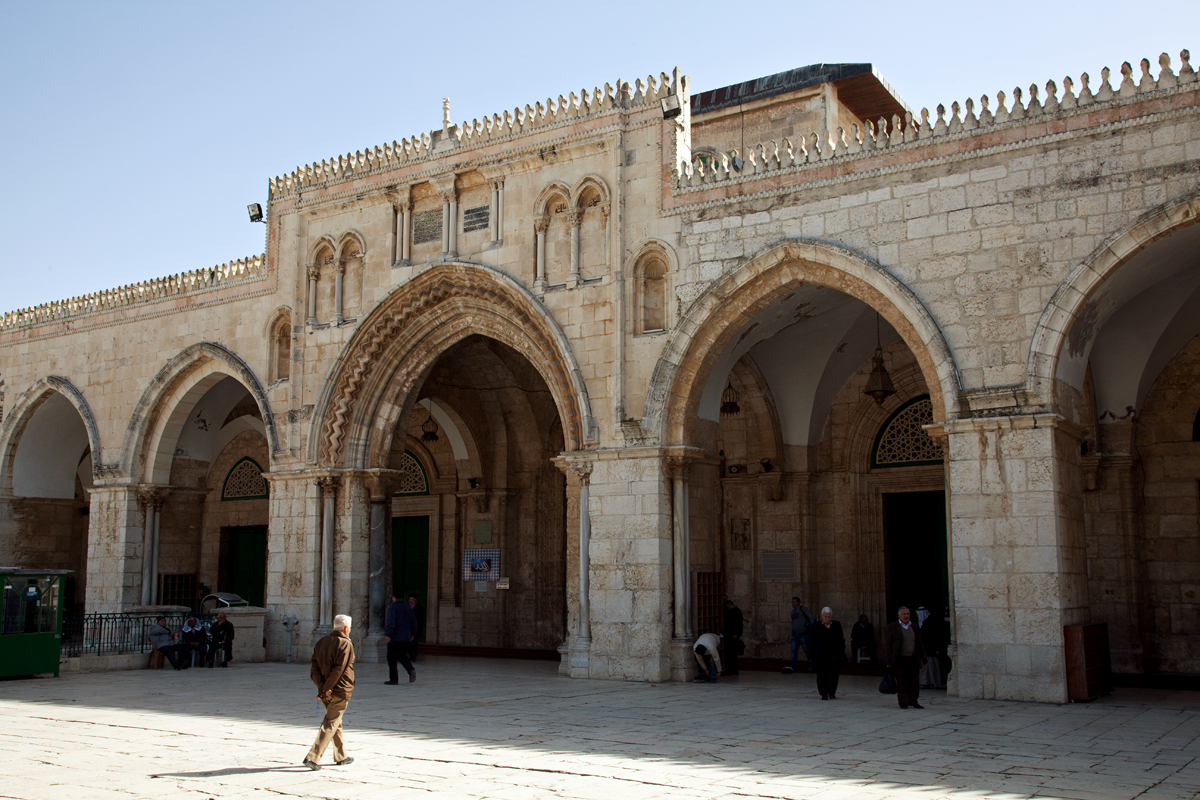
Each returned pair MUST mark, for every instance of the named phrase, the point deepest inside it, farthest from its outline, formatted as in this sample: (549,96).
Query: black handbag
(889,684)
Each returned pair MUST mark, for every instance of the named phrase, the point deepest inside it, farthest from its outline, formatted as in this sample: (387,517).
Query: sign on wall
(481,565)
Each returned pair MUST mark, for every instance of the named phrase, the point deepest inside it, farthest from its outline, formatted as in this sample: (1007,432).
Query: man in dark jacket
(222,639)
(905,655)
(333,673)
(399,633)
(830,644)
(733,627)
(862,638)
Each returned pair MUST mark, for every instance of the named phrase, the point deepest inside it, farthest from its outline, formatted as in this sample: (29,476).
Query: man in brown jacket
(333,673)
(905,654)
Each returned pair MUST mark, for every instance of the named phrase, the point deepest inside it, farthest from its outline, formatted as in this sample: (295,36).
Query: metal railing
(105,634)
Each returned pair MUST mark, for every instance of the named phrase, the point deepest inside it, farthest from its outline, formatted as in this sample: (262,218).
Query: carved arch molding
(498,308)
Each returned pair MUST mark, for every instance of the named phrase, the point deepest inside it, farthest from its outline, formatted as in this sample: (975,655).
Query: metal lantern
(879,384)
(729,401)
(429,430)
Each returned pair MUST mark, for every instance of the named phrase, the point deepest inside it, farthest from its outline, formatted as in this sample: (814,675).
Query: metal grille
(710,591)
(245,481)
(98,634)
(905,441)
(779,566)
(412,477)
(177,590)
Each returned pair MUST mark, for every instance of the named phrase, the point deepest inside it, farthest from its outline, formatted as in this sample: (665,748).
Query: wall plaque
(481,565)
(476,219)
(779,566)
(427,226)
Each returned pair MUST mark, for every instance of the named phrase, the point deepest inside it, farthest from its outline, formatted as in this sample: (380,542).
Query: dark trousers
(731,658)
(398,651)
(194,656)
(908,676)
(827,677)
(226,646)
(177,659)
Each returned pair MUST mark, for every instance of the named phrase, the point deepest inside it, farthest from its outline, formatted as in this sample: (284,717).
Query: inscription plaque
(427,226)
(476,219)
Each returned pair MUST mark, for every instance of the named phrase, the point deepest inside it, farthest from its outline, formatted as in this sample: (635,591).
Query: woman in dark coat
(830,644)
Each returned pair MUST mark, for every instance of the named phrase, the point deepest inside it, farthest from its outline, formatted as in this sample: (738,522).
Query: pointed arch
(1070,302)
(583,184)
(16,420)
(548,191)
(165,404)
(370,386)
(324,242)
(348,238)
(714,318)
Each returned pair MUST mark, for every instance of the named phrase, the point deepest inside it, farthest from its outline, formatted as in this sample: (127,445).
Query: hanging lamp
(879,384)
(429,429)
(729,401)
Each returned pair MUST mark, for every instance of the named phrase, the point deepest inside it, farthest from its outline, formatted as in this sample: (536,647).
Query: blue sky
(134,134)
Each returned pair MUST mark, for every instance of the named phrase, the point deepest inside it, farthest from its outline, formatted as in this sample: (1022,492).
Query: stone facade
(628,355)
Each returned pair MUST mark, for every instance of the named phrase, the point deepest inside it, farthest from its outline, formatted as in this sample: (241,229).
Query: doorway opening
(917,565)
(410,564)
(243,567)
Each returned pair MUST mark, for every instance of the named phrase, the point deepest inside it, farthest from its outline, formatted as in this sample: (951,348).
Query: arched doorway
(198,446)
(761,398)
(46,472)
(1117,350)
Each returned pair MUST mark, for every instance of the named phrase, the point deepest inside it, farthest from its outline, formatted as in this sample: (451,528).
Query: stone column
(445,226)
(314,273)
(581,643)
(541,223)
(115,528)
(499,224)
(149,545)
(380,488)
(338,283)
(681,547)
(328,488)
(604,213)
(1018,554)
(405,231)
(400,229)
(575,217)
(453,253)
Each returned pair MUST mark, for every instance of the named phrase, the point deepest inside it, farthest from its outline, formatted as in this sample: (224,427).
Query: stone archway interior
(493,494)
(51,481)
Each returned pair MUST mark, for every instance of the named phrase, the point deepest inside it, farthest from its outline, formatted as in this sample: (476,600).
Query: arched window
(652,291)
(412,476)
(281,348)
(902,441)
(245,481)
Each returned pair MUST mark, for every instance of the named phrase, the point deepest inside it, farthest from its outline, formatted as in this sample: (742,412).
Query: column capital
(329,484)
(444,186)
(152,496)
(605,209)
(582,471)
(575,217)
(541,223)
(340,266)
(400,197)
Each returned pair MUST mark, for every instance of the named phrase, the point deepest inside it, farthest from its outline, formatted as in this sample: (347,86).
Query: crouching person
(707,656)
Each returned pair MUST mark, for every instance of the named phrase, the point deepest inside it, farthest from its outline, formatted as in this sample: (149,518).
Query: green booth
(31,616)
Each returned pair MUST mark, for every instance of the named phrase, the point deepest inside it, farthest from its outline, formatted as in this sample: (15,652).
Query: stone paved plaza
(474,728)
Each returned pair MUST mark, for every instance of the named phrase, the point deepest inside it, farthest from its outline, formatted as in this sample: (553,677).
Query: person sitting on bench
(164,642)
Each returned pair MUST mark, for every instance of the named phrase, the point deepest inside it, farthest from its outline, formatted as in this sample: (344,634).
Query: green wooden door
(410,563)
(248,563)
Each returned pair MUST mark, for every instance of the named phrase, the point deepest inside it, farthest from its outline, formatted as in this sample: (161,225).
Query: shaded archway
(47,446)
(370,388)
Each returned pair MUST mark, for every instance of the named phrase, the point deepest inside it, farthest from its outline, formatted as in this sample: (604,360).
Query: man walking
(905,654)
(333,673)
(802,622)
(399,633)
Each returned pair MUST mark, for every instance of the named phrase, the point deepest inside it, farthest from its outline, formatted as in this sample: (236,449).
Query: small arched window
(902,439)
(412,476)
(281,346)
(652,286)
(245,481)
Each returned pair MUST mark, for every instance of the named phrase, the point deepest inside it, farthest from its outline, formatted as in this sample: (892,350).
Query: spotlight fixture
(255,210)
(729,401)
(766,465)
(670,107)
(879,384)
(429,429)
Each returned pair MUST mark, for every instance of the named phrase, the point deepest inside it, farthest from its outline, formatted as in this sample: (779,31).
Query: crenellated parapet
(496,128)
(704,171)
(232,273)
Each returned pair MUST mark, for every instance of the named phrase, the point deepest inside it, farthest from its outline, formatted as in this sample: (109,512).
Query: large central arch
(369,387)
(725,308)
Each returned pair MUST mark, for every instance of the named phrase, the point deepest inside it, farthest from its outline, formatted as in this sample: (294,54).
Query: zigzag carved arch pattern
(419,300)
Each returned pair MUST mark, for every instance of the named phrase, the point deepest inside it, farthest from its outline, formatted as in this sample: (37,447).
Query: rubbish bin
(31,615)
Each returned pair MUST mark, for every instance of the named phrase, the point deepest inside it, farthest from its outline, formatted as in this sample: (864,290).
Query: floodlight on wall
(879,383)
(671,107)
(429,429)
(255,210)
(736,163)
